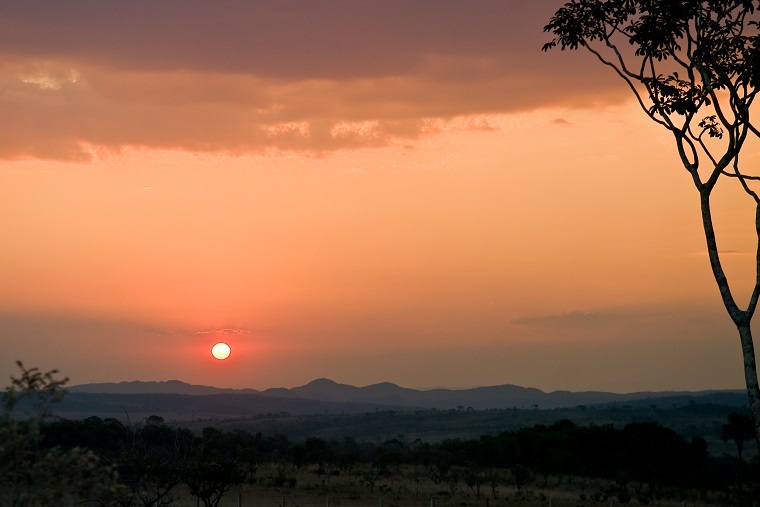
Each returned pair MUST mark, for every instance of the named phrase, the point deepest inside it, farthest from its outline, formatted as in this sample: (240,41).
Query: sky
(367,191)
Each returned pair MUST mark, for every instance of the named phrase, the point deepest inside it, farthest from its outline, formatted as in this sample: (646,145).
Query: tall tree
(694,68)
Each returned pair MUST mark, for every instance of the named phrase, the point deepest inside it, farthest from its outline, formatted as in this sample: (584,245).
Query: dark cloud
(335,39)
(236,76)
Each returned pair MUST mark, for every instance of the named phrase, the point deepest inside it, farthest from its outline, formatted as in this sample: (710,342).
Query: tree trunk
(741,318)
(750,377)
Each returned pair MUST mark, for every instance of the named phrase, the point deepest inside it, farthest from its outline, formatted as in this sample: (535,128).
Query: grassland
(409,488)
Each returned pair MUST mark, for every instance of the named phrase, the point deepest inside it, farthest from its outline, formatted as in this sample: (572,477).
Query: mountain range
(329,410)
(392,396)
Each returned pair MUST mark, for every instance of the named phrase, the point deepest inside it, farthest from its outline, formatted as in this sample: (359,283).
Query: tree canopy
(693,67)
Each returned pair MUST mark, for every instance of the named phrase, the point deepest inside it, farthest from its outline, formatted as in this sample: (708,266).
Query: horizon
(347,190)
(261,390)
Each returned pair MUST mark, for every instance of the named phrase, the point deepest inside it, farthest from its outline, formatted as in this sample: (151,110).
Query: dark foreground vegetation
(95,461)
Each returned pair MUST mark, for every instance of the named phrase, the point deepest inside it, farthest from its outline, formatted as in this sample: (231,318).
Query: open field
(409,489)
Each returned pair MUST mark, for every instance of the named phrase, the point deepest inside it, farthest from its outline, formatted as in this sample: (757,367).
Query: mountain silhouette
(157,387)
(392,395)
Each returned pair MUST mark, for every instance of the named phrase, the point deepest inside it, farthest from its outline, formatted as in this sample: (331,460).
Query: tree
(152,466)
(31,474)
(209,474)
(210,479)
(739,429)
(694,68)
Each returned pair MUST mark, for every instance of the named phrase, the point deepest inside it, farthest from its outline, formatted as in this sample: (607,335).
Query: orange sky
(356,190)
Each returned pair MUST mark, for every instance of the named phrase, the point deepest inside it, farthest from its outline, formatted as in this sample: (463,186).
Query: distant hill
(325,409)
(162,387)
(186,407)
(392,396)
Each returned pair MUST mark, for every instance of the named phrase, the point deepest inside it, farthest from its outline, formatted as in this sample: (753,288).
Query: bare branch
(629,82)
(742,176)
(743,180)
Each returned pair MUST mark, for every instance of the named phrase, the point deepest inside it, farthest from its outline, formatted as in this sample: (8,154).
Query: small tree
(210,479)
(209,474)
(694,68)
(522,475)
(152,466)
(474,477)
(494,479)
(32,475)
(739,429)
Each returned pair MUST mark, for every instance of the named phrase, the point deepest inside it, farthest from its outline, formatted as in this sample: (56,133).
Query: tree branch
(752,305)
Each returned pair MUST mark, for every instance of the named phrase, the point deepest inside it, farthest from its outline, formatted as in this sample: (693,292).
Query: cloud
(291,39)
(248,77)
(574,318)
(737,253)
(675,320)
(225,332)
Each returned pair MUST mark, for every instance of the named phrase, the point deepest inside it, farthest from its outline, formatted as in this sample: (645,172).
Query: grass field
(410,490)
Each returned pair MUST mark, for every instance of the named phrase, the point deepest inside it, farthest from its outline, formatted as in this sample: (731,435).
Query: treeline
(643,460)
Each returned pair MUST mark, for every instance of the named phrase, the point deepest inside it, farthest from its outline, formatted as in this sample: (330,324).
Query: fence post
(240,500)
(432,501)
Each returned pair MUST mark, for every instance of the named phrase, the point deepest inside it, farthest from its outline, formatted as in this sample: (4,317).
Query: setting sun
(220,351)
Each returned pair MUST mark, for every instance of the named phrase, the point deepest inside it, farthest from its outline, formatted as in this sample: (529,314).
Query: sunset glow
(361,191)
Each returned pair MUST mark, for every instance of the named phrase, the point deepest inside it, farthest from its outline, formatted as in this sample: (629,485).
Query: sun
(221,351)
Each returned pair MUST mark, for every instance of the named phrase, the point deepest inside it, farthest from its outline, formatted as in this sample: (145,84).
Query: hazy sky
(390,190)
